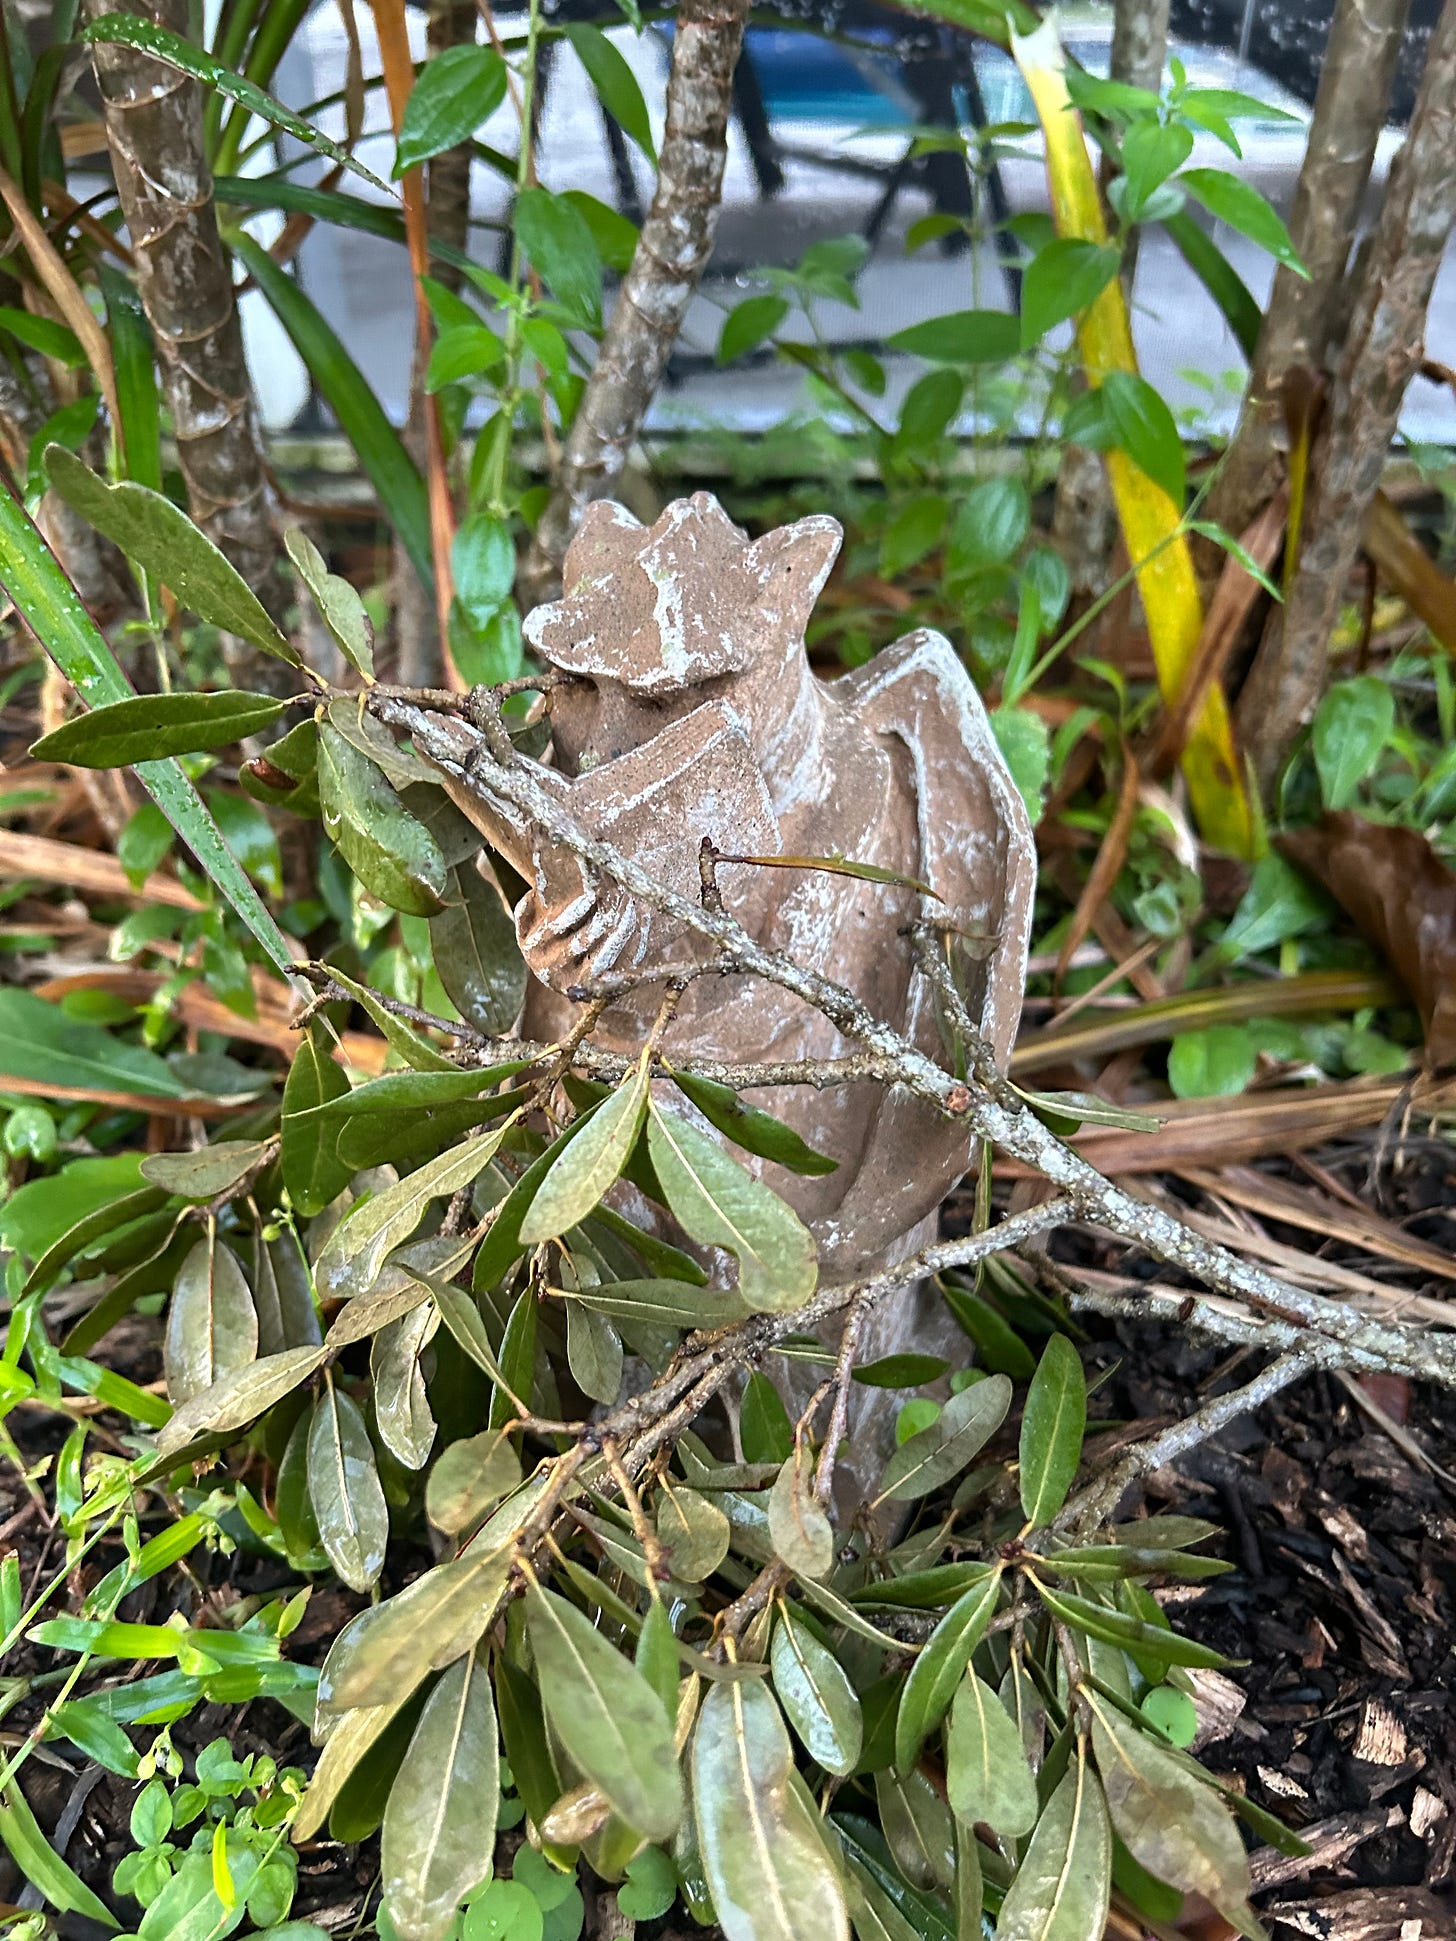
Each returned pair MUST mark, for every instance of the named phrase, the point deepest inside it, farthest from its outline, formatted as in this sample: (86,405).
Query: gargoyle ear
(786,569)
(607,538)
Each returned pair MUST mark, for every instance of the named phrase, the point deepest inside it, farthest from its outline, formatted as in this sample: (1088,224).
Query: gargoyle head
(661,609)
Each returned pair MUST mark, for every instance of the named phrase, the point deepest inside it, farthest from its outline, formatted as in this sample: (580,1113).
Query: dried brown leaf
(1402,898)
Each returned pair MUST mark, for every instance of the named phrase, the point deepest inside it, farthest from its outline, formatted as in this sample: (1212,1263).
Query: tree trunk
(1382,353)
(418,659)
(672,253)
(1349,110)
(154,128)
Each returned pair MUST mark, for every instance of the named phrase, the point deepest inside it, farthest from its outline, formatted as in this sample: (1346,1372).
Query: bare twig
(1099,1499)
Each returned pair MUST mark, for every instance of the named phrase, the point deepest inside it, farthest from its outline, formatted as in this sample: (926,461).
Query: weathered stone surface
(697,714)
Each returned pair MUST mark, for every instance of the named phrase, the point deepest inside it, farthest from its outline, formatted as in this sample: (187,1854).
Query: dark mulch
(1343,1722)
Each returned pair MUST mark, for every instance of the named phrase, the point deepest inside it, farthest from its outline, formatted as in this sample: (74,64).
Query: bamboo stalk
(1151,523)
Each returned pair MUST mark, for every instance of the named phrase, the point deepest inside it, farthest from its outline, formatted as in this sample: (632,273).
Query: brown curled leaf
(1402,898)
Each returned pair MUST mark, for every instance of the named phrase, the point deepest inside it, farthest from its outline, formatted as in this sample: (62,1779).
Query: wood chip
(1367,1914)
(1280,1784)
(1381,1739)
(1219,1703)
(1329,1841)
(1428,1809)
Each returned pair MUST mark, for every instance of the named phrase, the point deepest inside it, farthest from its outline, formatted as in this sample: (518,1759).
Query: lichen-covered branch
(671,255)
(1098,1499)
(154,128)
(1383,352)
(984,1100)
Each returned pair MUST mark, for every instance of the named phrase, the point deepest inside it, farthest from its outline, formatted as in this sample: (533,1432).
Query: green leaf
(747,324)
(1172,1712)
(463,351)
(764,1427)
(344,1488)
(1064,1882)
(238,1398)
(771,1878)
(798,1527)
(614,234)
(39,1041)
(43,334)
(901,1371)
(312,1170)
(942,1662)
(151,726)
(133,353)
(394,857)
(607,1716)
(651,1884)
(720,1205)
(815,1692)
(49,604)
(1352,725)
(355,1251)
(212,1325)
(483,559)
(663,1304)
(583,1171)
(965,337)
(161,539)
(593,1353)
(455,92)
(436,1847)
(207,1173)
(934,1455)
(1172,1822)
(1142,426)
(41,1865)
(757,1132)
(558,244)
(413,1047)
(1022,737)
(1052,1428)
(991,524)
(1238,203)
(1061,281)
(1132,1634)
(469,1478)
(383,1653)
(173,51)
(1151,151)
(615,83)
(1217,1062)
(340,608)
(693,1531)
(401,1408)
(372,438)
(473,943)
(987,1778)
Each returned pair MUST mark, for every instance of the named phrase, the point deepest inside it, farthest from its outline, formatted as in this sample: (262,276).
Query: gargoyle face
(664,610)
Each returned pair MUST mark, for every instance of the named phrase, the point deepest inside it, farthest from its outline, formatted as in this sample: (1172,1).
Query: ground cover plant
(411,1534)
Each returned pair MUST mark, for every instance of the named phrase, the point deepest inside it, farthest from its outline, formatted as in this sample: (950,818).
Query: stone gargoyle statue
(694,713)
